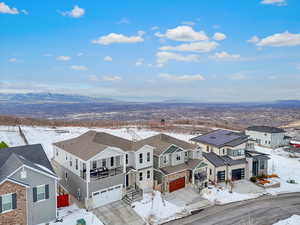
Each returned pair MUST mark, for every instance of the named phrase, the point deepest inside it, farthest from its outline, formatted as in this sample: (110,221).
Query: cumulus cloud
(184,77)
(254,39)
(183,33)
(107,58)
(219,36)
(237,76)
(119,38)
(279,40)
(63,58)
(76,12)
(203,46)
(274,2)
(139,62)
(5,9)
(78,67)
(111,78)
(189,23)
(224,56)
(164,57)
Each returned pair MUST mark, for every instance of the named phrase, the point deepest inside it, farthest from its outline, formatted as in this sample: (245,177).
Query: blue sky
(152,50)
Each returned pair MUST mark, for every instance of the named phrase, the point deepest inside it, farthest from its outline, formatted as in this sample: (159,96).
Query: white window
(148,174)
(41,192)
(7,202)
(165,159)
(76,164)
(178,156)
(71,162)
(148,156)
(141,157)
(126,157)
(94,164)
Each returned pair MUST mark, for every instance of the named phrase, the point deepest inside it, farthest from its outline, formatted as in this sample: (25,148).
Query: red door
(177,184)
(62,201)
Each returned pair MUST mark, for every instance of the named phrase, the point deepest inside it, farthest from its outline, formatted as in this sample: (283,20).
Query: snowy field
(293,220)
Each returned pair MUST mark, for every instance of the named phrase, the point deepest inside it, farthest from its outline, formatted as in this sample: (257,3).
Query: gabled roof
(91,143)
(32,156)
(221,138)
(218,161)
(162,142)
(266,129)
(189,165)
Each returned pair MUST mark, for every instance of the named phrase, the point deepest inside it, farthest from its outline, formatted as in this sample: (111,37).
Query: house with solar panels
(229,156)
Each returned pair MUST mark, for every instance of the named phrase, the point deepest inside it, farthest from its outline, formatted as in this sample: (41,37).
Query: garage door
(177,184)
(238,174)
(221,176)
(105,196)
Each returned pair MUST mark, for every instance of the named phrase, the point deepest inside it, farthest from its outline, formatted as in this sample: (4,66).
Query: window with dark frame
(141,157)
(112,161)
(148,157)
(141,176)
(148,174)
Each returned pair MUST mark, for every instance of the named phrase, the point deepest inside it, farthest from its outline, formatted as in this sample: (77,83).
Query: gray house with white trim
(27,186)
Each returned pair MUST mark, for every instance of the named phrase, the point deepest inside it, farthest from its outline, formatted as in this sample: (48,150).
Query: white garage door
(105,196)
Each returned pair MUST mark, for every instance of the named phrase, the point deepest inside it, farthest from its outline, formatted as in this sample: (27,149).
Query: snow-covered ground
(46,135)
(155,210)
(71,214)
(293,220)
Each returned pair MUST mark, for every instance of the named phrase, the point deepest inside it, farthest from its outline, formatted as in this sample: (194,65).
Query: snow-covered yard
(293,220)
(71,214)
(155,210)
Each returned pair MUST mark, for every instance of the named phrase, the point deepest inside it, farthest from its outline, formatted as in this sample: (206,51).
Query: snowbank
(293,220)
(71,214)
(155,210)
(223,196)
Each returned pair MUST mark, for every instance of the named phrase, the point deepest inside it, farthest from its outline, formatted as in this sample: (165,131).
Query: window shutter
(14,200)
(0,204)
(34,194)
(47,191)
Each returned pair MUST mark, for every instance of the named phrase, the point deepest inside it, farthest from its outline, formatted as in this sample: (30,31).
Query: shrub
(3,145)
(253,179)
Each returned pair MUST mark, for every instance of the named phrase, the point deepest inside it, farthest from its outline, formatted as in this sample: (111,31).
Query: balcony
(236,152)
(103,172)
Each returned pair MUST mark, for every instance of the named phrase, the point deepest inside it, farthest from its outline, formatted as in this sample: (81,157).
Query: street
(263,211)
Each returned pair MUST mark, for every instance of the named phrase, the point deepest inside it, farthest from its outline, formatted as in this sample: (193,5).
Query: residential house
(177,163)
(226,154)
(271,137)
(27,186)
(99,168)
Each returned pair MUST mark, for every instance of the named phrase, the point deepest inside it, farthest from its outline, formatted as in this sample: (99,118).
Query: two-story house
(176,163)
(229,157)
(27,186)
(98,168)
(271,137)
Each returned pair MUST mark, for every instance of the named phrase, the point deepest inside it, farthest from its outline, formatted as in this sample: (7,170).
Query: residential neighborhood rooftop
(266,129)
(190,164)
(220,138)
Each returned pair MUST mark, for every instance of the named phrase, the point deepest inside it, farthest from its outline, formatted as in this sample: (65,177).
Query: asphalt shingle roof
(220,138)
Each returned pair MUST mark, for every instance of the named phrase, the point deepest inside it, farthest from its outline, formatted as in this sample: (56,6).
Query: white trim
(44,173)
(37,193)
(107,149)
(14,181)
(6,211)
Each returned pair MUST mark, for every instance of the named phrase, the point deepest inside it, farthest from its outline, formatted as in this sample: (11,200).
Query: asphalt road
(266,210)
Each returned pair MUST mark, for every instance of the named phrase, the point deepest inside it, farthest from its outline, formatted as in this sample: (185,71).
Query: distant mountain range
(38,98)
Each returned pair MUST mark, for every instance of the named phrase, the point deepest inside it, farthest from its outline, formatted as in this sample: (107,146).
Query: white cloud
(5,9)
(155,28)
(204,46)
(63,58)
(47,55)
(219,36)
(183,33)
(274,2)
(164,57)
(189,23)
(223,56)
(237,76)
(123,20)
(185,77)
(119,38)
(76,12)
(254,39)
(280,40)
(139,62)
(111,78)
(13,60)
(78,67)
(108,58)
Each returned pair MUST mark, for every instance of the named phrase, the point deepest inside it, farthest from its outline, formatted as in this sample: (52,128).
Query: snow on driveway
(293,220)
(155,210)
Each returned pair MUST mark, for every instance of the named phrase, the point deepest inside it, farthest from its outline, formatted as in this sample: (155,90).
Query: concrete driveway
(118,213)
(188,198)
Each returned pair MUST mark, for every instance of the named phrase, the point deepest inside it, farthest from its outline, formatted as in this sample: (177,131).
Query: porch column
(124,163)
(88,167)
(193,177)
